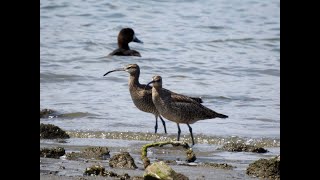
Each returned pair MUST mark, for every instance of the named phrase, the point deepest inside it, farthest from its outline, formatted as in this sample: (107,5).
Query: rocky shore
(65,161)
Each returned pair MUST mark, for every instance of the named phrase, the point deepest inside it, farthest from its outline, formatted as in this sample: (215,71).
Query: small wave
(244,98)
(178,76)
(57,114)
(263,119)
(272,72)
(87,24)
(215,99)
(76,115)
(53,7)
(276,50)
(116,15)
(270,39)
(256,72)
(233,40)
(53,78)
(84,15)
(241,40)
(216,27)
(221,97)
(199,138)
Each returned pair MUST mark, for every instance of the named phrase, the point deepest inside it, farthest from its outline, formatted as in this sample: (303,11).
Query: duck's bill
(135,39)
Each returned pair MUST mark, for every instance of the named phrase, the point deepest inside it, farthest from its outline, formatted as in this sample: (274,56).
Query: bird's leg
(179,131)
(190,129)
(156,126)
(164,125)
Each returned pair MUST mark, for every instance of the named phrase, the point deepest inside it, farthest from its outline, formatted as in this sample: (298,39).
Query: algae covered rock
(98,170)
(217,165)
(98,153)
(265,168)
(122,160)
(46,113)
(52,153)
(50,131)
(160,170)
(240,147)
(191,156)
(169,162)
(95,170)
(137,178)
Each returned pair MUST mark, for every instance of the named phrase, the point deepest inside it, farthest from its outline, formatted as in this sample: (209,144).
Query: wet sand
(52,169)
(56,169)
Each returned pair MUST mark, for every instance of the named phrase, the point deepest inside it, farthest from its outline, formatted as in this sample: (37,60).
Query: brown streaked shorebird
(141,94)
(183,110)
(125,36)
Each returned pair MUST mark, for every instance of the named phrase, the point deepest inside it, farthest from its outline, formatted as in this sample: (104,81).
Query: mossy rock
(98,170)
(122,160)
(137,178)
(50,131)
(160,170)
(191,156)
(265,168)
(240,147)
(170,162)
(216,165)
(52,153)
(95,170)
(46,113)
(145,160)
(73,155)
(98,153)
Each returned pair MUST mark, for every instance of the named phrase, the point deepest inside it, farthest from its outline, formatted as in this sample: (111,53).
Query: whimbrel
(141,93)
(186,111)
(125,36)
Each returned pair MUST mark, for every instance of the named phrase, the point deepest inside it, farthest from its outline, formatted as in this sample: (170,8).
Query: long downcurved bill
(119,69)
(148,84)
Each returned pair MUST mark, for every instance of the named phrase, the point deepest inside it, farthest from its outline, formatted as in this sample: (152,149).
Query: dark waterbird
(126,35)
(141,93)
(186,110)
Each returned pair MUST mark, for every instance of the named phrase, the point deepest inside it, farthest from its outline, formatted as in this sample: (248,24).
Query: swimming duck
(126,35)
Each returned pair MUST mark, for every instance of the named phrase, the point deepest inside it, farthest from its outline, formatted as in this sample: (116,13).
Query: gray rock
(160,170)
(98,170)
(55,152)
(122,160)
(46,113)
(98,153)
(265,168)
(50,131)
(240,147)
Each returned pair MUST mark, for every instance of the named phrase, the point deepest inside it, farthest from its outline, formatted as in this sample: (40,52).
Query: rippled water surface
(227,52)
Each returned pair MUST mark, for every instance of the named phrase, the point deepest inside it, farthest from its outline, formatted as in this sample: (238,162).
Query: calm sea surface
(227,52)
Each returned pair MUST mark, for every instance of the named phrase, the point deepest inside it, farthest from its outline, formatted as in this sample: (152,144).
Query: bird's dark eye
(129,67)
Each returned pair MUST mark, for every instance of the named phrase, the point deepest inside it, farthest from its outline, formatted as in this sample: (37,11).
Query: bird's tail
(221,115)
(198,99)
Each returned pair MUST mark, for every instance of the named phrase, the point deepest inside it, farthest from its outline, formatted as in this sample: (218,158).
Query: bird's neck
(134,80)
(123,46)
(157,91)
